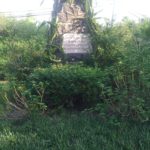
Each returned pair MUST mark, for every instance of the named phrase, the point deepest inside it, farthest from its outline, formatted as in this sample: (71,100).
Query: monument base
(75,57)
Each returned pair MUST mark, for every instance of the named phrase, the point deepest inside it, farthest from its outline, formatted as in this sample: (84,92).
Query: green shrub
(21,47)
(22,63)
(128,94)
(69,86)
(123,50)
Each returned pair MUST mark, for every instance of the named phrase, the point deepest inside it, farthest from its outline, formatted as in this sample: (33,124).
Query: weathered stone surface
(71,19)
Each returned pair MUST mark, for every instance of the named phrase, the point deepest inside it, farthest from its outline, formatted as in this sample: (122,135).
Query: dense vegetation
(75,132)
(113,81)
(113,85)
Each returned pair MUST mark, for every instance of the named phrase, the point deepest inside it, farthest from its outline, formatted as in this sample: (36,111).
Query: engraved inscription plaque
(74,43)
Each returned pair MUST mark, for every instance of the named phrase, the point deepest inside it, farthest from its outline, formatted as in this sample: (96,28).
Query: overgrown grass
(72,132)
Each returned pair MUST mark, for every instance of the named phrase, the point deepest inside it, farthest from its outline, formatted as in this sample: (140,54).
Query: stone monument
(72,30)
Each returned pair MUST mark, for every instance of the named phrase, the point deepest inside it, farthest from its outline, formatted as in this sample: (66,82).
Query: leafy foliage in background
(20,40)
(121,53)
